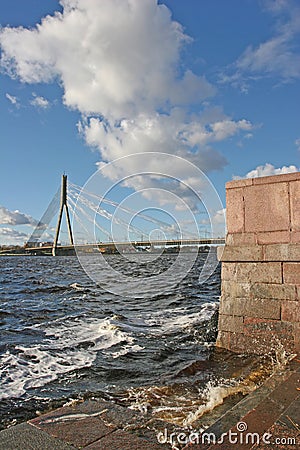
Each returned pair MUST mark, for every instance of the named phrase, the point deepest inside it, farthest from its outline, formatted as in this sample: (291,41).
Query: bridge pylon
(63,206)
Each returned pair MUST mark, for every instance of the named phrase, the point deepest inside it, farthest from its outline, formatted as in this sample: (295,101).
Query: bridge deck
(125,244)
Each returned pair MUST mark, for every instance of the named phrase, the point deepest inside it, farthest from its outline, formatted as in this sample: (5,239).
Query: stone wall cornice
(286,177)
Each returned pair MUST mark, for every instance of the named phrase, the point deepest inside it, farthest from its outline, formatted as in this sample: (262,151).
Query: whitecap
(168,321)
(66,347)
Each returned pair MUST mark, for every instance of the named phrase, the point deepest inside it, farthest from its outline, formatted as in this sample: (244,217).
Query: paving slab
(27,437)
(79,424)
(121,440)
(291,416)
(282,438)
(79,432)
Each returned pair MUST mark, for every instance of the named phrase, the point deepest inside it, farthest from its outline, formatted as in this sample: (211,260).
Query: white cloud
(117,59)
(40,102)
(169,133)
(219,217)
(12,235)
(268,170)
(13,100)
(277,56)
(196,133)
(297,142)
(219,222)
(276,6)
(119,63)
(15,217)
(273,57)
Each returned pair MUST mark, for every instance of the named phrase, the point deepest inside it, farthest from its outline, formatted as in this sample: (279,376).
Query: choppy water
(63,337)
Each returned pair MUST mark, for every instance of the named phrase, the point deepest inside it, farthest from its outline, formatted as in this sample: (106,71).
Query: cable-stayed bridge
(94,216)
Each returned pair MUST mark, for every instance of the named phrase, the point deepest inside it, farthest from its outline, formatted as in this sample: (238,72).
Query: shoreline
(273,408)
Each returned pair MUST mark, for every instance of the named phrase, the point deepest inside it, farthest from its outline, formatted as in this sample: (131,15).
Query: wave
(66,347)
(40,287)
(172,320)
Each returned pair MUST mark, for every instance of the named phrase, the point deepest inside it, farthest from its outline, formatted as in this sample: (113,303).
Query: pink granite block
(237,253)
(290,311)
(223,339)
(295,204)
(233,289)
(267,208)
(282,252)
(291,273)
(229,271)
(273,291)
(241,239)
(273,237)
(262,308)
(297,336)
(235,210)
(265,334)
(257,272)
(295,237)
(230,323)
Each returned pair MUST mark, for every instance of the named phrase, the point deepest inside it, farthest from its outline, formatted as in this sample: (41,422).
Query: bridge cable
(44,222)
(127,210)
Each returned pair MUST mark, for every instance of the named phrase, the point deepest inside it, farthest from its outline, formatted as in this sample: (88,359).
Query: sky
(85,82)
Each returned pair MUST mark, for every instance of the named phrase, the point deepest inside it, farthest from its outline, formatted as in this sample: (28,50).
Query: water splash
(183,403)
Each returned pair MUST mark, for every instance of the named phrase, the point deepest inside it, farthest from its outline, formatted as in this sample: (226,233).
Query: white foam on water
(77,286)
(68,346)
(34,367)
(179,318)
(96,334)
(126,349)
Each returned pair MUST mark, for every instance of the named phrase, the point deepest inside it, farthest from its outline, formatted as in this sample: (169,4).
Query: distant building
(38,244)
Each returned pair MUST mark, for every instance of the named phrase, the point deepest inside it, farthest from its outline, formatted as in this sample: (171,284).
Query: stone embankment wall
(260,299)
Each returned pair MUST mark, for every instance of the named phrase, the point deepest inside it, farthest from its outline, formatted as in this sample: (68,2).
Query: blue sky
(215,82)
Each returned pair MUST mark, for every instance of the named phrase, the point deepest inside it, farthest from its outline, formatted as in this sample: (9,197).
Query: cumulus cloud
(119,63)
(39,102)
(15,217)
(277,56)
(117,59)
(168,132)
(268,170)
